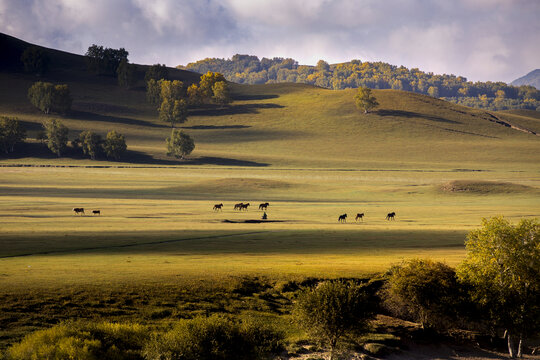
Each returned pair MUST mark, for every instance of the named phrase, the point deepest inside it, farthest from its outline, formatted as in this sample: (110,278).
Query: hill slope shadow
(89,116)
(410,114)
(234,109)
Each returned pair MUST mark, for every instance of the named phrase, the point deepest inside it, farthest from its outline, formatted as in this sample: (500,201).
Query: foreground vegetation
(497,287)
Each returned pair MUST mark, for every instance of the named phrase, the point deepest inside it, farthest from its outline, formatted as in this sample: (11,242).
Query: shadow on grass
(89,116)
(255,97)
(233,109)
(410,114)
(38,150)
(137,157)
(215,127)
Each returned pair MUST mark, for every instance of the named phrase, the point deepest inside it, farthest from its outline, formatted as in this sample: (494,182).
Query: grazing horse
(391,216)
(78,211)
(96,212)
(342,218)
(264,206)
(244,206)
(238,206)
(218,207)
(359,216)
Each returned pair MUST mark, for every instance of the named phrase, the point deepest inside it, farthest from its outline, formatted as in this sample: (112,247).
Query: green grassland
(306,150)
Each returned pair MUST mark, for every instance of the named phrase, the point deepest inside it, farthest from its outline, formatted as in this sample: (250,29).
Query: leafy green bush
(333,310)
(214,338)
(82,341)
(424,291)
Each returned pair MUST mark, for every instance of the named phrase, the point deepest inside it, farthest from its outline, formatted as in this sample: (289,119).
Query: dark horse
(244,206)
(218,207)
(238,206)
(359,216)
(391,216)
(264,206)
(78,211)
(96,212)
(342,218)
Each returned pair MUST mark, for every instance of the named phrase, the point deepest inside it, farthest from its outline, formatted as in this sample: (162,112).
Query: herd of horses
(263,206)
(360,216)
(241,206)
(80,211)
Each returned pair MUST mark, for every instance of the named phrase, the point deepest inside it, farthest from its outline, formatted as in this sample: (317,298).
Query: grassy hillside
(285,125)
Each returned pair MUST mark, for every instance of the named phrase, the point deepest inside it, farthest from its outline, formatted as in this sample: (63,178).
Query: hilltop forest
(246,69)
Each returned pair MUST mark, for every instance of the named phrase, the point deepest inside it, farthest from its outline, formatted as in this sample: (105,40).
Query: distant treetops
(375,75)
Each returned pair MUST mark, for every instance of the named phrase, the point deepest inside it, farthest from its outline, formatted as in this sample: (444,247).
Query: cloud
(479,39)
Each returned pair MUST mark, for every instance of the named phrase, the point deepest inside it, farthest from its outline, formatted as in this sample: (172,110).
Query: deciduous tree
(207,82)
(11,133)
(105,61)
(179,144)
(423,291)
(365,100)
(332,310)
(57,136)
(126,74)
(115,145)
(503,263)
(90,143)
(156,72)
(35,60)
(48,97)
(153,92)
(221,92)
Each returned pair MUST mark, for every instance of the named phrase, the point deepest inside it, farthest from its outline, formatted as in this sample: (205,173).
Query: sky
(495,40)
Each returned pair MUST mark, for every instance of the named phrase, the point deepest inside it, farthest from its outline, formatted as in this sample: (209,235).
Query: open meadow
(158,250)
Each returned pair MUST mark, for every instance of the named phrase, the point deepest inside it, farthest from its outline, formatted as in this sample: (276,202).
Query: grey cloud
(479,39)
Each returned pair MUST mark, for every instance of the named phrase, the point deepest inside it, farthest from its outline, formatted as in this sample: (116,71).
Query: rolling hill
(275,125)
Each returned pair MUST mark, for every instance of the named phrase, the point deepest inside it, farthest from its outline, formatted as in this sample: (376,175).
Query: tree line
(246,69)
(55,135)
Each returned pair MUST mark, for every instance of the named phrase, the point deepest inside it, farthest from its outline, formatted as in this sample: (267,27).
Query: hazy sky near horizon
(497,40)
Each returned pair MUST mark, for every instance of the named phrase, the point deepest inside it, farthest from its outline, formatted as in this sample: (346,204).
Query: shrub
(333,310)
(424,291)
(214,338)
(82,341)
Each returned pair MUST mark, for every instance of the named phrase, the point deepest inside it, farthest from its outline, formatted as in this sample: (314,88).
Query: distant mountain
(532,78)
